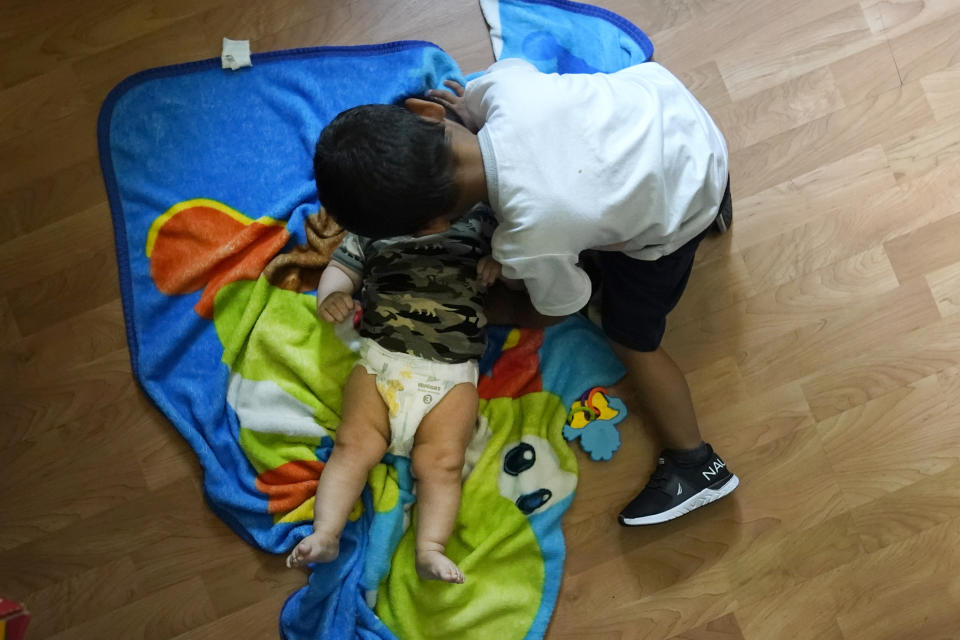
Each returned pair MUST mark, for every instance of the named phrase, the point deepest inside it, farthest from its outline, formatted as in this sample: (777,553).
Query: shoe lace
(659,476)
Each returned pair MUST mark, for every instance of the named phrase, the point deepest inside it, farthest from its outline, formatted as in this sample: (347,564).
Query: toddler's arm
(335,292)
(489,271)
(453,100)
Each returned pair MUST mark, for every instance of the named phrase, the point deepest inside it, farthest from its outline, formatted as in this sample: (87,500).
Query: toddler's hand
(337,307)
(488,271)
(454,102)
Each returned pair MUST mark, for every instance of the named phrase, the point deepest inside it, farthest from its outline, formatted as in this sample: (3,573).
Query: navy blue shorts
(637,295)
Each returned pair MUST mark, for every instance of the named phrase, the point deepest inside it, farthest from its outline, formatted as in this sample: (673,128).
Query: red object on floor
(14,619)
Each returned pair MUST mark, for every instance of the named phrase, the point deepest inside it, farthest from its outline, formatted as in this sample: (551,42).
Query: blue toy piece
(593,419)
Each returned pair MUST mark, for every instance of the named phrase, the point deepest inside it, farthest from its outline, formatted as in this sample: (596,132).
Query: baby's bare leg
(362,439)
(438,453)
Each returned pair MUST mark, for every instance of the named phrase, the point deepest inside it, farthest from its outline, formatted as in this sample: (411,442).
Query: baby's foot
(314,548)
(433,565)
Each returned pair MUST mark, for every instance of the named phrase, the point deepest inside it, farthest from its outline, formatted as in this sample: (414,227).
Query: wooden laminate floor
(821,337)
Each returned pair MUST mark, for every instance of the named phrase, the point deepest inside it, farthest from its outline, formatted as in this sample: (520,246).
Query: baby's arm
(335,292)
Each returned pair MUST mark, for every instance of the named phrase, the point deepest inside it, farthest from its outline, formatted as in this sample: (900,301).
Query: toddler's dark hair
(384,171)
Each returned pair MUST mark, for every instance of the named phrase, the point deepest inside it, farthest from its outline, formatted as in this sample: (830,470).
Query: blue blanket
(208,173)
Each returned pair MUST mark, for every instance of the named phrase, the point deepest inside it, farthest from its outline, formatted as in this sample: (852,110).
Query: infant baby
(413,391)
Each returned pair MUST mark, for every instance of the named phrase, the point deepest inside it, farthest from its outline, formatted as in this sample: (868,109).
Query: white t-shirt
(626,161)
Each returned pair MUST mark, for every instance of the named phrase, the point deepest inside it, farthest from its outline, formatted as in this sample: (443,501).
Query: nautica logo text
(712,471)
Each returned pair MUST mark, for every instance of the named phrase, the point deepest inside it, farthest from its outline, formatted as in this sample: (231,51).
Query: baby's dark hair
(384,171)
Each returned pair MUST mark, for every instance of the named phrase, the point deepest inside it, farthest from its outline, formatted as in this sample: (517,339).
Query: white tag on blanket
(236,54)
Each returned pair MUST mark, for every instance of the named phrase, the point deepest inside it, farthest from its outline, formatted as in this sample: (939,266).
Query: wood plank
(928,48)
(780,108)
(925,149)
(258,620)
(91,282)
(830,138)
(877,219)
(789,480)
(86,596)
(910,434)
(717,282)
(945,285)
(76,188)
(70,33)
(902,514)
(866,74)
(164,456)
(42,254)
(772,57)
(657,15)
(687,606)
(36,406)
(101,477)
(842,335)
(39,102)
(81,338)
(194,541)
(94,542)
(706,83)
(773,617)
(258,577)
(717,385)
(926,569)
(929,248)
(884,367)
(943,92)
(761,418)
(898,17)
(183,40)
(161,615)
(776,313)
(723,628)
(825,190)
(41,154)
(726,25)
(11,342)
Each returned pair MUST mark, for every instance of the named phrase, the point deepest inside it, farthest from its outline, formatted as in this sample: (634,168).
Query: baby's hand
(337,307)
(453,100)
(488,271)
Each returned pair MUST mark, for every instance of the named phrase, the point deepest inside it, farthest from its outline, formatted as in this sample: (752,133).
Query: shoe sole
(721,225)
(705,497)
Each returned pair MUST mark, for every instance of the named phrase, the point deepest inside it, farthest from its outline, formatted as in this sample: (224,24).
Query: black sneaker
(721,224)
(674,490)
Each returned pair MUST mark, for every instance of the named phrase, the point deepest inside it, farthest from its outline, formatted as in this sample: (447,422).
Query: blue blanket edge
(615,19)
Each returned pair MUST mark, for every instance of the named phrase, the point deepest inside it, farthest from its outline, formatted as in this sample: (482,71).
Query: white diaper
(410,386)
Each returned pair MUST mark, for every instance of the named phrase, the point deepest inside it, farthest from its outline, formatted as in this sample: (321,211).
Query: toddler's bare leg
(362,439)
(438,453)
(665,395)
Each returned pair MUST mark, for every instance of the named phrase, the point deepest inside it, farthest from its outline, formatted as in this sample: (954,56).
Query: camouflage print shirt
(420,295)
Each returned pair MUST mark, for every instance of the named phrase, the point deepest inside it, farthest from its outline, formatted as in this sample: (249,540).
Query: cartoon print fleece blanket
(209,176)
